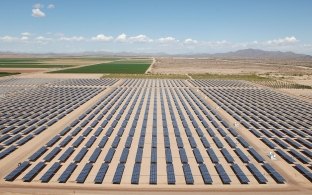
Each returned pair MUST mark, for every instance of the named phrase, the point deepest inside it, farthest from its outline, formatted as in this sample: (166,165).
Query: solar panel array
(281,122)
(27,113)
(85,82)
(148,132)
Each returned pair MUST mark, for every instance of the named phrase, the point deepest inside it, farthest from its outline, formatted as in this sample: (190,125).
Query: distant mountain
(245,53)
(261,54)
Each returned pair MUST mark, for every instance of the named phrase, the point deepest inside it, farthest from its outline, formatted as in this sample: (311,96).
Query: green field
(27,63)
(3,74)
(33,66)
(116,67)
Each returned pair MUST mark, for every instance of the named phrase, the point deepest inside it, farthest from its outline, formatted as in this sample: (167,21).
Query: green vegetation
(33,66)
(28,63)
(3,74)
(146,76)
(116,67)
(246,77)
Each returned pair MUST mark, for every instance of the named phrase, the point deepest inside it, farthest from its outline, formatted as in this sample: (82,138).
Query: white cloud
(190,41)
(8,38)
(36,12)
(51,6)
(24,38)
(73,38)
(41,38)
(140,39)
(102,37)
(166,40)
(27,34)
(38,6)
(121,38)
(283,41)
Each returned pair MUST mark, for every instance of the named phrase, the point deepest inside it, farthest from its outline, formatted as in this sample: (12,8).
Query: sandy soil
(22,70)
(222,66)
(73,61)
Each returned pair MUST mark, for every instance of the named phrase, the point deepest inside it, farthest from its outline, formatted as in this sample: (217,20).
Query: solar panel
(16,172)
(274,174)
(256,155)
(84,173)
(136,173)
(205,174)
(205,142)
(198,156)
(78,141)
(222,174)
(124,155)
(66,154)
(118,173)
(51,172)
(81,154)
(227,155)
(95,155)
(299,156)
(168,155)
(305,172)
(242,141)
(217,142)
(109,156)
(101,173)
(103,142)
(241,155)
(76,131)
(35,171)
(179,142)
(192,142)
(256,173)
(285,156)
(212,155)
(183,155)
(67,173)
(268,142)
(53,141)
(66,141)
(38,154)
(153,174)
(52,154)
(280,143)
(170,174)
(233,132)
(154,155)
(230,142)
(293,143)
(188,174)
(138,157)
(307,153)
(240,174)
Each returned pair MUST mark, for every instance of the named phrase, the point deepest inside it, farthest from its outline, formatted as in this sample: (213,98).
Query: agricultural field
(3,74)
(129,66)
(50,62)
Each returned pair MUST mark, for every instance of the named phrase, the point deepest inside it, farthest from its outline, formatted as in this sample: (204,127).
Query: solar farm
(165,134)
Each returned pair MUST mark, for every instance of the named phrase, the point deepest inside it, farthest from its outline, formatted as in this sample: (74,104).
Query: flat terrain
(225,66)
(131,66)
(90,136)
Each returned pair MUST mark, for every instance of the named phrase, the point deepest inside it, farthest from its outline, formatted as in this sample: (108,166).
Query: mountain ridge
(244,53)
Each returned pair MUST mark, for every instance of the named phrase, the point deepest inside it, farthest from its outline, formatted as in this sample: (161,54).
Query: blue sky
(172,26)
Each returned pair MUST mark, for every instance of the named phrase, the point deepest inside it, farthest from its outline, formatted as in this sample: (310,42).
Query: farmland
(3,74)
(134,66)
